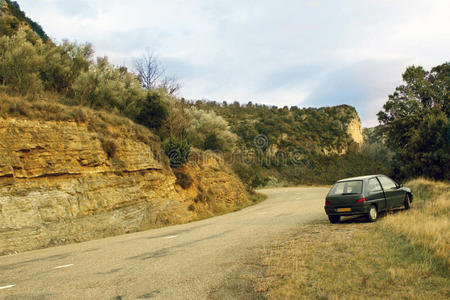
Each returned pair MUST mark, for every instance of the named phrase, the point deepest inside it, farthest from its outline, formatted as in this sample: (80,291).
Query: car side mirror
(399,185)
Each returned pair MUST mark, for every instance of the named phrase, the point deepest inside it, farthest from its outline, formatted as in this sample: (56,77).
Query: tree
(152,74)
(206,130)
(153,111)
(104,86)
(64,63)
(415,121)
(20,62)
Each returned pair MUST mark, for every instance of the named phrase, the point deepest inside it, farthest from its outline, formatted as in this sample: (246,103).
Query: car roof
(360,177)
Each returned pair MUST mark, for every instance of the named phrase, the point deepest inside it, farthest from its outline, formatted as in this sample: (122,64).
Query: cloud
(285,52)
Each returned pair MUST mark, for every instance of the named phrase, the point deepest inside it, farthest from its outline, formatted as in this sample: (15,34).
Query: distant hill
(285,146)
(13,18)
(311,130)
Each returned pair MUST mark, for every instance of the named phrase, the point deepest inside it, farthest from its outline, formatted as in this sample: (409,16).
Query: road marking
(170,236)
(63,266)
(7,286)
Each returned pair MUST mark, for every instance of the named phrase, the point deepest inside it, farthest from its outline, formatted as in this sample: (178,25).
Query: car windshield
(346,188)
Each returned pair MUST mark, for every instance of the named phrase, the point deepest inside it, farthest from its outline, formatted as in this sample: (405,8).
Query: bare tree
(149,70)
(152,74)
(170,84)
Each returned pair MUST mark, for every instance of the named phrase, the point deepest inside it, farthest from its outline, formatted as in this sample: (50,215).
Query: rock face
(60,183)
(355,131)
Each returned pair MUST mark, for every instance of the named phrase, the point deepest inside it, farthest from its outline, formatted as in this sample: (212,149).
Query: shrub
(109,146)
(185,180)
(153,111)
(177,151)
(206,130)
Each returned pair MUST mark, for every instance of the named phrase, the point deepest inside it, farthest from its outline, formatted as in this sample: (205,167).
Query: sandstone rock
(58,185)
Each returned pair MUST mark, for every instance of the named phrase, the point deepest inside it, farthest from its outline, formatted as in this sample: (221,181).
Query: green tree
(416,120)
(20,62)
(64,63)
(153,111)
(104,86)
(206,130)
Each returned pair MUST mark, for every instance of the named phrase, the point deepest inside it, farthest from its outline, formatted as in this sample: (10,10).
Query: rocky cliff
(60,183)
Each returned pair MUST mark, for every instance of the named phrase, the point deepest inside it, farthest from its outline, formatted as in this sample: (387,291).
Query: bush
(109,146)
(153,112)
(206,130)
(184,179)
(177,151)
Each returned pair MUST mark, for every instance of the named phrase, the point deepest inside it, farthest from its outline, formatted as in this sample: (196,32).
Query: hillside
(70,174)
(288,146)
(311,130)
(86,151)
(12,18)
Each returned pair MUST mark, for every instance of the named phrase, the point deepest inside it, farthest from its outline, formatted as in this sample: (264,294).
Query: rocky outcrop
(60,183)
(354,130)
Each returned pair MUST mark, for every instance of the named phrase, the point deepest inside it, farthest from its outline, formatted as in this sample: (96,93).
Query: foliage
(206,130)
(177,150)
(63,65)
(153,111)
(184,179)
(12,17)
(109,146)
(416,122)
(105,87)
(20,61)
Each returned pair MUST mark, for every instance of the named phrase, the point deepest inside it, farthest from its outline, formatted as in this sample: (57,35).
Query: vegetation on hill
(12,18)
(265,144)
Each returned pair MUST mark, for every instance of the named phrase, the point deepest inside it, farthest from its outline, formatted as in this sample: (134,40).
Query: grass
(49,108)
(427,225)
(402,256)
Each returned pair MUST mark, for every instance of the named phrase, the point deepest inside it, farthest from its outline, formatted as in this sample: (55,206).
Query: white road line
(63,266)
(170,236)
(7,286)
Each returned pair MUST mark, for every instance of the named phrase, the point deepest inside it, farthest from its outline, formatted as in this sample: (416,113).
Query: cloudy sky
(283,52)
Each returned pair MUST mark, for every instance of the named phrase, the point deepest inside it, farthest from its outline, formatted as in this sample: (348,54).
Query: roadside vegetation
(402,256)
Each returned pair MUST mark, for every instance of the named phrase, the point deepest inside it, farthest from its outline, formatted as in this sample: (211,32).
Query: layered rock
(60,184)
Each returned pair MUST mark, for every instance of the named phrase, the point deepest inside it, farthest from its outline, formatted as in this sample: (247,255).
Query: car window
(374,185)
(346,187)
(387,183)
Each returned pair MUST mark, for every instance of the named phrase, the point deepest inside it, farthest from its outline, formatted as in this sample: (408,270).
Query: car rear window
(346,188)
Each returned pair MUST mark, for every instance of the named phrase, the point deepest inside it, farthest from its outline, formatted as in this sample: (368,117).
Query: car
(366,195)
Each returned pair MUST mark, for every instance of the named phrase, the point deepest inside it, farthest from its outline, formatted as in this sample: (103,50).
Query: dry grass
(427,225)
(403,256)
(49,108)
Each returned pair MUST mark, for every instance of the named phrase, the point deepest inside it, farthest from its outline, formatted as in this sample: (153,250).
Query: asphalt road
(199,260)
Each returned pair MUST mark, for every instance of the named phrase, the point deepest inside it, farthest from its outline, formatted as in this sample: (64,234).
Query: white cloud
(281,52)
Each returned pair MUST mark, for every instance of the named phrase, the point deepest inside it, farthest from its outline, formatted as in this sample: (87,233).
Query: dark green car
(365,195)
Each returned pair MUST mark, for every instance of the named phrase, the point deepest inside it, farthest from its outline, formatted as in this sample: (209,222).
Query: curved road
(199,260)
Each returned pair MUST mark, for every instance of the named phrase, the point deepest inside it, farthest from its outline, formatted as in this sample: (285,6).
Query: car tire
(372,215)
(334,219)
(407,201)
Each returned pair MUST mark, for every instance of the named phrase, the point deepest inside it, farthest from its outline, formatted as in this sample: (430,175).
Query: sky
(308,53)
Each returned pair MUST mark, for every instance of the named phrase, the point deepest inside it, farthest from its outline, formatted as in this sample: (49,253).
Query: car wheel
(372,215)
(407,201)
(334,219)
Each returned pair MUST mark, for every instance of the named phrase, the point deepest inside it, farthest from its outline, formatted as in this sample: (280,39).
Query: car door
(376,194)
(394,196)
